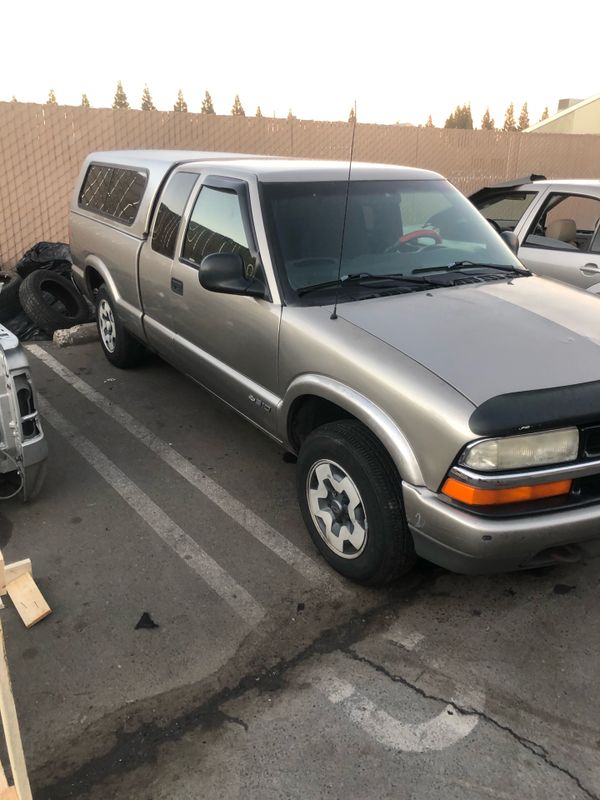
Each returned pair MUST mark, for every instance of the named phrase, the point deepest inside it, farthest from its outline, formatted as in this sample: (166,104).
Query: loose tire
(351,500)
(52,302)
(119,346)
(10,305)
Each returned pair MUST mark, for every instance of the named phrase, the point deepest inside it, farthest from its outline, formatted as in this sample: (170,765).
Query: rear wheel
(119,346)
(351,500)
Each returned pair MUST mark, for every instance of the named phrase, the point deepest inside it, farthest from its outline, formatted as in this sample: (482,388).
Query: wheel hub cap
(337,509)
(106,324)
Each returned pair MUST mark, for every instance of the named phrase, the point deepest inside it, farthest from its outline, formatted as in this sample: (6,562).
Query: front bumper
(471,544)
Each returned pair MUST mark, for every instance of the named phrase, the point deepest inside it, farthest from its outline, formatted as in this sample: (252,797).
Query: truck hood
(491,339)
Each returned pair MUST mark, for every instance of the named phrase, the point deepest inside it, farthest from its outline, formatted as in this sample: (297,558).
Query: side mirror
(511,239)
(224,272)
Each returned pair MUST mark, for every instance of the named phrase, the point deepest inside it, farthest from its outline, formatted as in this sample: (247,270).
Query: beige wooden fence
(42,147)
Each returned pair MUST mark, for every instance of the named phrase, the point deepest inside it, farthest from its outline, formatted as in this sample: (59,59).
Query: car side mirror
(225,273)
(511,239)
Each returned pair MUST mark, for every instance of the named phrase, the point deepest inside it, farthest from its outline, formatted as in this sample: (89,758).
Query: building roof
(583,117)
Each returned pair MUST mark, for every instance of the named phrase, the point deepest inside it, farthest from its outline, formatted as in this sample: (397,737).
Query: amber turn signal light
(474,496)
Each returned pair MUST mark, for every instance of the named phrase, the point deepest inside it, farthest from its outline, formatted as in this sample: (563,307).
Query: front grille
(590,442)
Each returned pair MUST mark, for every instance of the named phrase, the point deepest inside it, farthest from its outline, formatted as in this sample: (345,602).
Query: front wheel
(119,346)
(351,500)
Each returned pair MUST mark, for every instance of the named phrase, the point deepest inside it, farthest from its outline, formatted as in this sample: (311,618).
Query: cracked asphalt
(441,686)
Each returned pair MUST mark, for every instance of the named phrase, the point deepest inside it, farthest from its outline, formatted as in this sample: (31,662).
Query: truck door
(227,343)
(156,259)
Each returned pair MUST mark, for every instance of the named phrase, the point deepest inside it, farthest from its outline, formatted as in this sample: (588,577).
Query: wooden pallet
(17,582)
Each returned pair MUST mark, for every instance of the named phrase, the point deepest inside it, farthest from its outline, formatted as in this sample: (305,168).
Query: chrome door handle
(589,269)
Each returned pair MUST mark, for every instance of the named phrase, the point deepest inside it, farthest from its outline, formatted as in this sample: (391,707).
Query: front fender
(377,420)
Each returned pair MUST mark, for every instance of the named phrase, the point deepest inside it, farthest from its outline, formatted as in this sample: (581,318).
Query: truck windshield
(392,228)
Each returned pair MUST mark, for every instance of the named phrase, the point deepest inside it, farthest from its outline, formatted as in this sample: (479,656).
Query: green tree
(120,100)
(352,115)
(147,103)
(487,121)
(523,118)
(180,104)
(509,119)
(545,114)
(429,123)
(51,101)
(258,112)
(13,99)
(85,103)
(290,115)
(461,117)
(207,104)
(237,109)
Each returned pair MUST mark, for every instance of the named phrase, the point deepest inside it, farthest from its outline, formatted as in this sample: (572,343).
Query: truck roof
(265,168)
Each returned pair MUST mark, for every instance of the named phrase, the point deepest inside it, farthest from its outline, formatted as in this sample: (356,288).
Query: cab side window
(170,211)
(216,226)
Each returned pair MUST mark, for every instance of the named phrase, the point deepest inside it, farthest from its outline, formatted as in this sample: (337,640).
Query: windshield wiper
(502,267)
(367,277)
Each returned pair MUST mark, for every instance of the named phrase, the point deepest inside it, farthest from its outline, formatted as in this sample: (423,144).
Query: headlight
(517,452)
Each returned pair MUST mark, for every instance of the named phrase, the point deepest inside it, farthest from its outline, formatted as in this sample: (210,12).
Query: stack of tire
(40,297)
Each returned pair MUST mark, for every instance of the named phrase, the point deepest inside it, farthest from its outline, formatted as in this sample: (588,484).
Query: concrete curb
(78,334)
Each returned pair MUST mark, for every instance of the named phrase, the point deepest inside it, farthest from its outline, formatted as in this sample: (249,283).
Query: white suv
(557,224)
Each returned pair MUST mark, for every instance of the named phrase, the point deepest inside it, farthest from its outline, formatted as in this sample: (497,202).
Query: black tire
(388,551)
(52,302)
(127,351)
(10,305)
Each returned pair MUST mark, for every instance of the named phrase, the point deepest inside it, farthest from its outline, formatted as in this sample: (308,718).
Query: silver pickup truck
(441,400)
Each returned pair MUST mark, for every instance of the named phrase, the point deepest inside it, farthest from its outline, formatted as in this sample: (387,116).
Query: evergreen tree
(352,115)
(461,117)
(85,103)
(451,120)
(237,109)
(429,123)
(545,114)
(120,100)
(258,112)
(290,115)
(523,118)
(487,121)
(207,104)
(13,99)
(147,103)
(509,119)
(180,104)
(51,101)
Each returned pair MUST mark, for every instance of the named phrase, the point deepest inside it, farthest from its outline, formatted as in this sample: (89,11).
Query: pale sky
(400,61)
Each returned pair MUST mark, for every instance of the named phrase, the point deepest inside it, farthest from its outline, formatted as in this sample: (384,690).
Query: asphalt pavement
(266,675)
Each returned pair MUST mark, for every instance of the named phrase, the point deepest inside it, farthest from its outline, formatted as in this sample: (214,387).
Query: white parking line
(251,522)
(192,554)
(444,730)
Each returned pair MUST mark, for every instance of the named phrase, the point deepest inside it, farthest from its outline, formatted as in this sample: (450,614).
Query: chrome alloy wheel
(106,322)
(336,508)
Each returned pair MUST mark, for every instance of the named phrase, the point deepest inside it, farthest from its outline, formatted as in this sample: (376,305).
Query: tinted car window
(215,226)
(392,227)
(506,209)
(172,204)
(113,191)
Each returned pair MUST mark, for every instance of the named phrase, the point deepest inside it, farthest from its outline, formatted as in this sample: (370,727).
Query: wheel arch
(95,274)
(313,400)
